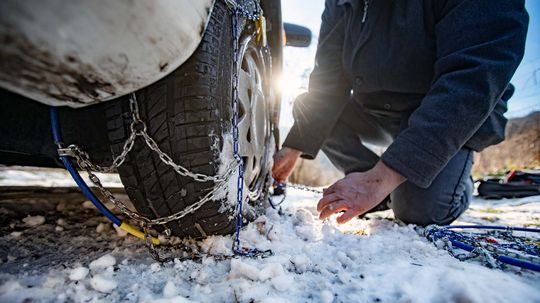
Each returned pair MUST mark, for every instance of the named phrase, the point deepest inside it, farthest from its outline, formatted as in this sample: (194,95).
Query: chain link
(253,15)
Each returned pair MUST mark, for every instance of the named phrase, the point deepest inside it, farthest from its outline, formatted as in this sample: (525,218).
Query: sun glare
(290,85)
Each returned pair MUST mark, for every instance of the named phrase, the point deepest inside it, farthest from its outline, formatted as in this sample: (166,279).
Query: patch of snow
(103,284)
(33,220)
(170,290)
(46,177)
(217,245)
(177,299)
(78,273)
(10,286)
(241,270)
(327,296)
(229,193)
(102,262)
(16,234)
(102,227)
(120,232)
(154,267)
(364,260)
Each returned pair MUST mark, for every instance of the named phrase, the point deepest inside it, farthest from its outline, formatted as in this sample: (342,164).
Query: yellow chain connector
(137,233)
(260,24)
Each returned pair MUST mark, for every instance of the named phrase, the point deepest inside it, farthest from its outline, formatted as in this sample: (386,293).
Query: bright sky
(299,61)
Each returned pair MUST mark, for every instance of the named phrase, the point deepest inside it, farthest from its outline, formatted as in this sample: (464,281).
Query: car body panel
(78,52)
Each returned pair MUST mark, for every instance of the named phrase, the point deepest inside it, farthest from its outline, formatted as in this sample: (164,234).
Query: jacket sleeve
(316,111)
(479,45)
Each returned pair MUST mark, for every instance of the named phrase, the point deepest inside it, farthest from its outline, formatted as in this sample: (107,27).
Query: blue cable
(534,230)
(504,259)
(57,136)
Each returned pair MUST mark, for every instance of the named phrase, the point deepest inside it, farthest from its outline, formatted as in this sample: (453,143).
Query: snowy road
(67,252)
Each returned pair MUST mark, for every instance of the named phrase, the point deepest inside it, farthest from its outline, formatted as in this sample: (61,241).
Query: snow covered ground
(66,252)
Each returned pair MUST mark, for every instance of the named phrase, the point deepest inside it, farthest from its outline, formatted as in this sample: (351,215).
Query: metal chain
(138,128)
(236,12)
(484,252)
(218,189)
(236,146)
(254,15)
(283,186)
(304,188)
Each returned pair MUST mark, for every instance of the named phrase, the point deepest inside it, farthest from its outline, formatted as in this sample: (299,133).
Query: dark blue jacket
(446,64)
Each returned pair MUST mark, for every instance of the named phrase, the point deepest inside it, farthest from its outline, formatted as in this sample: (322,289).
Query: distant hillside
(521,149)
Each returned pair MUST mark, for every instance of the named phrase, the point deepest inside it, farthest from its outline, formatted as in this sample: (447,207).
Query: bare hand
(284,161)
(358,192)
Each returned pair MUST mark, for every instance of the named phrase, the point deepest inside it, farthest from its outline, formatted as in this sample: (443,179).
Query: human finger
(325,200)
(348,215)
(332,209)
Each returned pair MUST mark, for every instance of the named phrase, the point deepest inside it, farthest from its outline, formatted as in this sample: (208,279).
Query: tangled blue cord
(456,238)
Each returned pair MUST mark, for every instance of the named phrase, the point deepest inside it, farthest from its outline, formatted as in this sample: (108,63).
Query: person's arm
(317,111)
(479,44)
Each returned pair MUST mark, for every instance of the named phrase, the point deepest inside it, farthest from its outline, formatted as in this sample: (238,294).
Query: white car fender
(81,52)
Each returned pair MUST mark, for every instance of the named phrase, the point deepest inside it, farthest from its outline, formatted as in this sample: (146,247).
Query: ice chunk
(78,273)
(300,262)
(170,290)
(243,270)
(34,220)
(271,270)
(87,204)
(120,232)
(326,296)
(155,267)
(103,284)
(177,299)
(303,216)
(10,286)
(16,234)
(101,227)
(283,282)
(306,232)
(217,245)
(102,262)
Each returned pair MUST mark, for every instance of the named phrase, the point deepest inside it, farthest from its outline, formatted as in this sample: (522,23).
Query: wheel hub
(253,120)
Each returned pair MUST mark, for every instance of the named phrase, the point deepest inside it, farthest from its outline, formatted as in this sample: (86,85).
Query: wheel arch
(56,55)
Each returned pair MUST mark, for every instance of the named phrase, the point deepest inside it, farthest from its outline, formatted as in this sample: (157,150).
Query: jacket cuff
(418,165)
(307,144)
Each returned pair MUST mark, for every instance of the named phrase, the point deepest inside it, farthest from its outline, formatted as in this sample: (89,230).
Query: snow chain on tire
(138,128)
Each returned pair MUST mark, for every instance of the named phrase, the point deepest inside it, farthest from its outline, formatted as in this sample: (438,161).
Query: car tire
(188,113)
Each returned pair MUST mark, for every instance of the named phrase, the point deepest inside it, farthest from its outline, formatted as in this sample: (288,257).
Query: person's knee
(445,200)
(414,205)
(409,210)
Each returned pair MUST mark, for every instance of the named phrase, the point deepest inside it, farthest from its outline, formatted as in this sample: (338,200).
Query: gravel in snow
(34,220)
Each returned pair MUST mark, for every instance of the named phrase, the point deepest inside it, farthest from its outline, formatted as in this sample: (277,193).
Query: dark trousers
(441,203)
